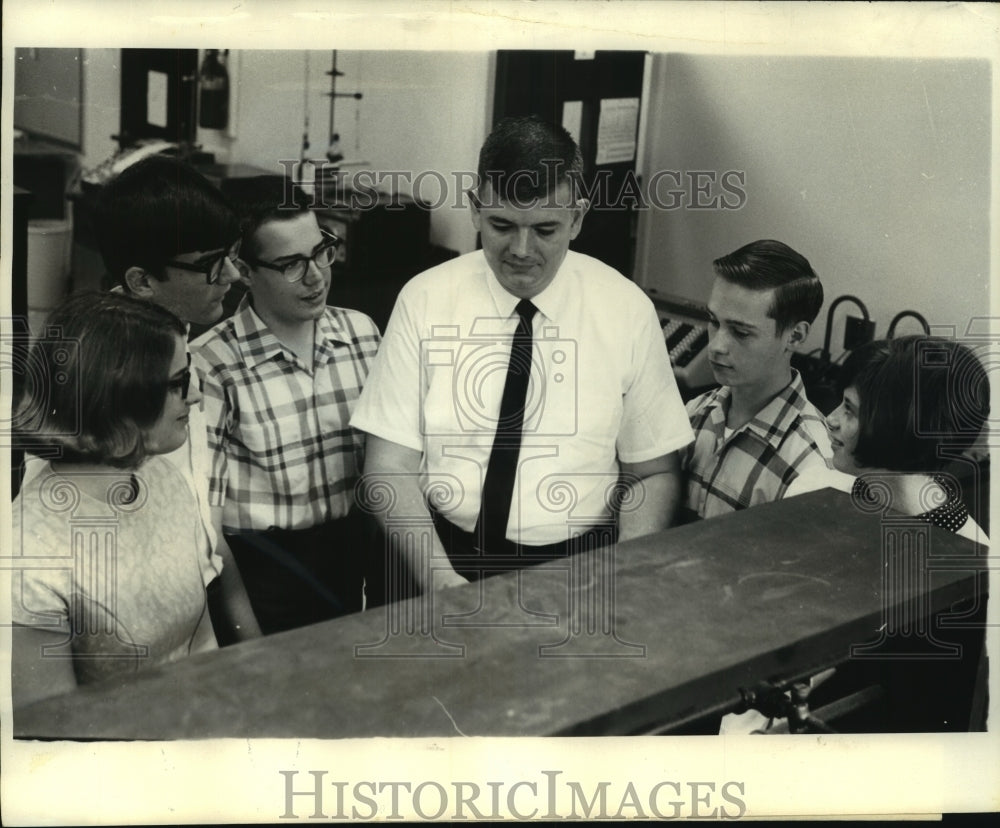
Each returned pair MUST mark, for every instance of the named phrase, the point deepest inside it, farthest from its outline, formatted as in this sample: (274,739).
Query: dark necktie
(498,485)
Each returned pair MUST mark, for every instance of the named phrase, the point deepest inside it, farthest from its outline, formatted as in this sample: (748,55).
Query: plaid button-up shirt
(757,462)
(283,451)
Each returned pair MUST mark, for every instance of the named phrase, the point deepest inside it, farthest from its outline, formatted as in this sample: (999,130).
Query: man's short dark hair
(156,210)
(915,393)
(526,158)
(767,264)
(262,198)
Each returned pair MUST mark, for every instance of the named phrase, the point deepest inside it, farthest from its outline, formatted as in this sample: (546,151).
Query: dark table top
(695,613)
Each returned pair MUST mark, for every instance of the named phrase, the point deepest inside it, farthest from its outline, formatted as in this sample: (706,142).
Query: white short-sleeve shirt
(602,391)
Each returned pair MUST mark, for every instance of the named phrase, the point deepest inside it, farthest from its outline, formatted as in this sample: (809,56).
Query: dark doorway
(544,83)
(158,95)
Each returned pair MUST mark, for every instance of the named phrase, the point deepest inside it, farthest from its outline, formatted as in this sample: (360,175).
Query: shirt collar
(550,302)
(253,331)
(716,408)
(774,420)
(263,345)
(331,331)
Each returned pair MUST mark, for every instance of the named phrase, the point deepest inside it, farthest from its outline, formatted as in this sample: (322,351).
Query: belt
(470,561)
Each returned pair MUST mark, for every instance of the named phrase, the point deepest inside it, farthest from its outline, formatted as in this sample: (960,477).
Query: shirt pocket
(271,446)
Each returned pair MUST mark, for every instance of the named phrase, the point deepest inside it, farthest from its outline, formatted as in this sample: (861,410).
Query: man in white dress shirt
(601,420)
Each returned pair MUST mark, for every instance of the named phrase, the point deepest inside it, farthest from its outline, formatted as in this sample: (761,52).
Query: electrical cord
(829,320)
(902,315)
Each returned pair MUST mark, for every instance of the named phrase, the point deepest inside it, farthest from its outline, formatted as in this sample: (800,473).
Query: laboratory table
(614,641)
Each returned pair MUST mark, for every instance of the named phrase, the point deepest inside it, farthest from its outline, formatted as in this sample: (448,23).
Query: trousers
(296,577)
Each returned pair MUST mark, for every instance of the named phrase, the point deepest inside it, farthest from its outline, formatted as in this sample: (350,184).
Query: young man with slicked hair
(756,433)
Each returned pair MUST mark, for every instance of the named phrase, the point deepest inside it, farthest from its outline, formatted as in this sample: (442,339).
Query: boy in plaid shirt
(758,432)
(282,376)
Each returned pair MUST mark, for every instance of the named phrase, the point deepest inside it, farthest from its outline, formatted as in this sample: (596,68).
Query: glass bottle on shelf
(213,85)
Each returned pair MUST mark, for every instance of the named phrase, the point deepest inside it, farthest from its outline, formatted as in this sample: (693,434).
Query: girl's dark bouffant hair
(98,379)
(915,393)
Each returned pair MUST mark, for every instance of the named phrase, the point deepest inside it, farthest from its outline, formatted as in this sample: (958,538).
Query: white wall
(877,170)
(420,111)
(101,104)
(268,98)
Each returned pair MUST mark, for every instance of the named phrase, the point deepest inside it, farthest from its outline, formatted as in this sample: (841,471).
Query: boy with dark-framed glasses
(168,236)
(282,376)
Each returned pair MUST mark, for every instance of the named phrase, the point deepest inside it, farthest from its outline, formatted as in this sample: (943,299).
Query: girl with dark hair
(111,580)
(910,405)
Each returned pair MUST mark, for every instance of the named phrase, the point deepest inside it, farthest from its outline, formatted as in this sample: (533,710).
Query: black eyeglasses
(295,267)
(211,265)
(183,382)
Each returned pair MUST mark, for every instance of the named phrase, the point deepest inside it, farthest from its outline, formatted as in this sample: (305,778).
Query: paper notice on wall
(156,99)
(616,130)
(573,118)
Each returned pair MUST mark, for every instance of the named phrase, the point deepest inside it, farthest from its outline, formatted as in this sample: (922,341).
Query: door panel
(541,82)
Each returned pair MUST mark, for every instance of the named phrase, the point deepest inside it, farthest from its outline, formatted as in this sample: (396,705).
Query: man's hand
(398,468)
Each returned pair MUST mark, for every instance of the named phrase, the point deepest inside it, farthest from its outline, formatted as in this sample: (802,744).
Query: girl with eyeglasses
(111,571)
